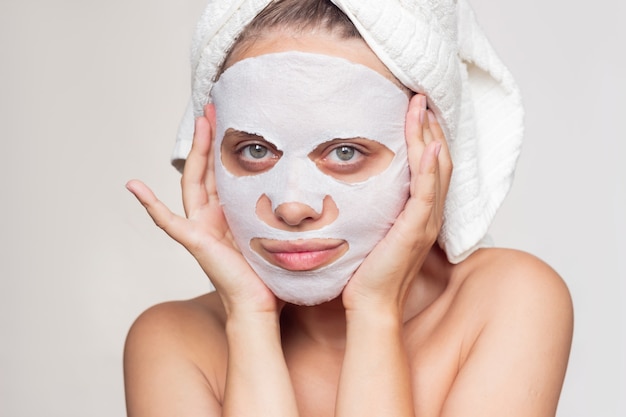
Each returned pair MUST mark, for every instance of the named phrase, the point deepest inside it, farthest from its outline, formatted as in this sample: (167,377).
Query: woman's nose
(296,215)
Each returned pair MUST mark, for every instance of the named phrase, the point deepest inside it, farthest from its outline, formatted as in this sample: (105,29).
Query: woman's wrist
(258,305)
(374,320)
(252,321)
(374,307)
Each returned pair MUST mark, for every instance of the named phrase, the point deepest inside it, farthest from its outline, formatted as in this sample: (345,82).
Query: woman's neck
(325,324)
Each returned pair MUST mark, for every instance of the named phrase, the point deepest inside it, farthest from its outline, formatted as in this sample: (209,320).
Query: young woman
(314,194)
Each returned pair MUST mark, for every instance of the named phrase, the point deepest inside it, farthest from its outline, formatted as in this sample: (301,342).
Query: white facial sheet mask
(297,101)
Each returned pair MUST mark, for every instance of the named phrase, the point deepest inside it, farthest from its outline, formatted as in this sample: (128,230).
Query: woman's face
(311,162)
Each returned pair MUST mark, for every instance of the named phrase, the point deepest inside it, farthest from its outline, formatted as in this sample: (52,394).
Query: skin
(411,334)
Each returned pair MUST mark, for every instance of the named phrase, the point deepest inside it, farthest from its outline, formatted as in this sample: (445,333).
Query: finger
(194,174)
(209,114)
(415,135)
(425,200)
(445,161)
(415,118)
(424,157)
(427,132)
(421,215)
(175,226)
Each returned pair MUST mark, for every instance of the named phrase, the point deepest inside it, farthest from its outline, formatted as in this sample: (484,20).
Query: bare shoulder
(179,318)
(523,318)
(507,279)
(516,293)
(179,341)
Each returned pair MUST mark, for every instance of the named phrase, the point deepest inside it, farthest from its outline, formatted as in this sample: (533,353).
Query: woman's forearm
(258,382)
(375,377)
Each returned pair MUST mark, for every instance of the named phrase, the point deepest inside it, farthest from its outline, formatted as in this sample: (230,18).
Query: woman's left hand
(383,279)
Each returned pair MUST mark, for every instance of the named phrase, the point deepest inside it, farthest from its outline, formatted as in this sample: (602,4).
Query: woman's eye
(246,153)
(344,154)
(351,159)
(255,151)
(251,158)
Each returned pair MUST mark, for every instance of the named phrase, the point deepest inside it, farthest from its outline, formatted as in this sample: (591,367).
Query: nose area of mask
(296,180)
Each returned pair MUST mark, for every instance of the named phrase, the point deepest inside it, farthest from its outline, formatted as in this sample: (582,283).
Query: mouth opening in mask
(301,254)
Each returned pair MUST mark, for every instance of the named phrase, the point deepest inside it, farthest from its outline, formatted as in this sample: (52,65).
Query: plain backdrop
(91,93)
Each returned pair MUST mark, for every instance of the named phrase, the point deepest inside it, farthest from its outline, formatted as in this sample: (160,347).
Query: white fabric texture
(433,47)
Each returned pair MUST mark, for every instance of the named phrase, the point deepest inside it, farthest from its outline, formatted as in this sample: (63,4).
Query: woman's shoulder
(496,287)
(178,334)
(180,341)
(514,318)
(504,318)
(513,295)
(505,275)
(179,322)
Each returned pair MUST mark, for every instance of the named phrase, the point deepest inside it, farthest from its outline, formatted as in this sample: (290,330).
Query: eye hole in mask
(245,154)
(349,160)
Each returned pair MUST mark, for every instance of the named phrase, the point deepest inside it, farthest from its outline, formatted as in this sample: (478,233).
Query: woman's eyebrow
(239,135)
(243,135)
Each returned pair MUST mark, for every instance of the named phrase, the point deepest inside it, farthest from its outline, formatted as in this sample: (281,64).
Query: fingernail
(437,148)
(422,116)
(431,116)
(423,102)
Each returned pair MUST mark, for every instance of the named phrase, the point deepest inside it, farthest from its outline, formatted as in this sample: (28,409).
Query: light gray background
(90,96)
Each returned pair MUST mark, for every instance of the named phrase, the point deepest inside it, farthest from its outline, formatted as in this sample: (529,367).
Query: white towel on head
(433,47)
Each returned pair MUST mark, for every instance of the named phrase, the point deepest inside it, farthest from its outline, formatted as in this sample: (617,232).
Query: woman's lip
(300,255)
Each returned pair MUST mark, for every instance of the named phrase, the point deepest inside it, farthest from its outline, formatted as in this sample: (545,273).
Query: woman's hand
(204,231)
(383,279)
(375,296)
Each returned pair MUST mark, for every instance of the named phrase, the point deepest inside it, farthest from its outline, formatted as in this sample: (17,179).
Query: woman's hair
(296,16)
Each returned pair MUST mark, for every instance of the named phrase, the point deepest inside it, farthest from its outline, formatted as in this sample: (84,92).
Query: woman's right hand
(204,231)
